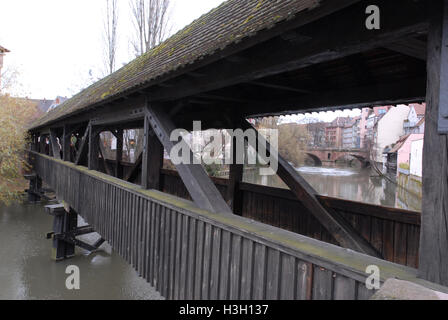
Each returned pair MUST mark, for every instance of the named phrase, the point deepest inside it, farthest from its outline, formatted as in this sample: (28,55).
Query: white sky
(55,43)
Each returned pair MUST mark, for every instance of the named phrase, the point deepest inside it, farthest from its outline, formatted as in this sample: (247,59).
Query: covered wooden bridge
(200,238)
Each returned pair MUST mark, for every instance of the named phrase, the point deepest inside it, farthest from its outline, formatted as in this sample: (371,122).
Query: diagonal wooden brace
(196,180)
(331,220)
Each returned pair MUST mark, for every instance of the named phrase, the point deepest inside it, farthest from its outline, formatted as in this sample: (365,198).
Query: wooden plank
(199,261)
(433,265)
(184,257)
(413,241)
(304,280)
(247,270)
(288,277)
(273,274)
(225,266)
(322,284)
(189,291)
(235,268)
(363,293)
(344,288)
(215,264)
(411,47)
(195,178)
(400,243)
(207,262)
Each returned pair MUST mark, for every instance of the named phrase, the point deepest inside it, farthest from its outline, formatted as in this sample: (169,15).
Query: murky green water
(27,272)
(355,184)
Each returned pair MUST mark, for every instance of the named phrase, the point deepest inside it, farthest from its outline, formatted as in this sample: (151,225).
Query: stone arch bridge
(325,155)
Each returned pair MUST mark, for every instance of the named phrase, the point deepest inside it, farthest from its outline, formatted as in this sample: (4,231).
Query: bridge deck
(188,253)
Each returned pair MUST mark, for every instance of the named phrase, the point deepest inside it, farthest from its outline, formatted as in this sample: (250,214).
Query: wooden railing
(187,253)
(395,233)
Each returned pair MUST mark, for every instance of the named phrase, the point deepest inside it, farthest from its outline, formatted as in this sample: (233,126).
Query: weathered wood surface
(434,240)
(187,253)
(395,233)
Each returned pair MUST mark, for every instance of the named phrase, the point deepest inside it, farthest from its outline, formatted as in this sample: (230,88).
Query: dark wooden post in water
(433,264)
(152,158)
(64,221)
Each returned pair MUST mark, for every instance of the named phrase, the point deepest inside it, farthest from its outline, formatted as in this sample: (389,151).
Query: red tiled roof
(419,108)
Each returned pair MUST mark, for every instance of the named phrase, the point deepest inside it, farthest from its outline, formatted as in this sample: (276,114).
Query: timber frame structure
(242,60)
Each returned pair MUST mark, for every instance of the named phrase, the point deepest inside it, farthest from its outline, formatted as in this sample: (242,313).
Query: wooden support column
(152,158)
(335,224)
(66,143)
(119,158)
(201,188)
(94,148)
(433,265)
(54,146)
(234,195)
(82,152)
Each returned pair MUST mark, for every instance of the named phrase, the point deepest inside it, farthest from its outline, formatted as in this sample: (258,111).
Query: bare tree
(110,35)
(150,19)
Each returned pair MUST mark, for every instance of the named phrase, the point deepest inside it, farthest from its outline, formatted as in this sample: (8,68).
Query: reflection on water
(349,183)
(27,272)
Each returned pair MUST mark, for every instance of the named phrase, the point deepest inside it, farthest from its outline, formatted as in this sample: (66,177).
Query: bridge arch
(316,159)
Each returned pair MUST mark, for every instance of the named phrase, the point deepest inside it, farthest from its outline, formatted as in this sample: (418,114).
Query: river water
(27,272)
(348,183)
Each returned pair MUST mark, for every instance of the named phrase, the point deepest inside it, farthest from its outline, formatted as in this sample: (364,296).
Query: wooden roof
(230,23)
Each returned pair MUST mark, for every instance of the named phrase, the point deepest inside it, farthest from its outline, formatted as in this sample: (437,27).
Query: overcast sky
(55,43)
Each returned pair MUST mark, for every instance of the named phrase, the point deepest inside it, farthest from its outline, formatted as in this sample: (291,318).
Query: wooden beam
(410,46)
(406,91)
(348,36)
(152,158)
(66,137)
(94,148)
(234,195)
(433,264)
(201,188)
(278,87)
(83,148)
(54,144)
(119,156)
(335,224)
(132,174)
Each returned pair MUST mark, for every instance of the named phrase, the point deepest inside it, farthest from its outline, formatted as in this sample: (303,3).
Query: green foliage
(15,114)
(405,166)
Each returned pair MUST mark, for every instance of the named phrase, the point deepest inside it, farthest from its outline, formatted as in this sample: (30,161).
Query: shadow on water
(362,185)
(27,272)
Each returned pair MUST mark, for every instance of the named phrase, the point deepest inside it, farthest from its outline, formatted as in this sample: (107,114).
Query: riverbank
(27,272)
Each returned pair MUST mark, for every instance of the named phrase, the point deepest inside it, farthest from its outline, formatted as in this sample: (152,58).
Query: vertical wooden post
(433,264)
(234,196)
(94,148)
(70,224)
(119,158)
(66,143)
(152,158)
